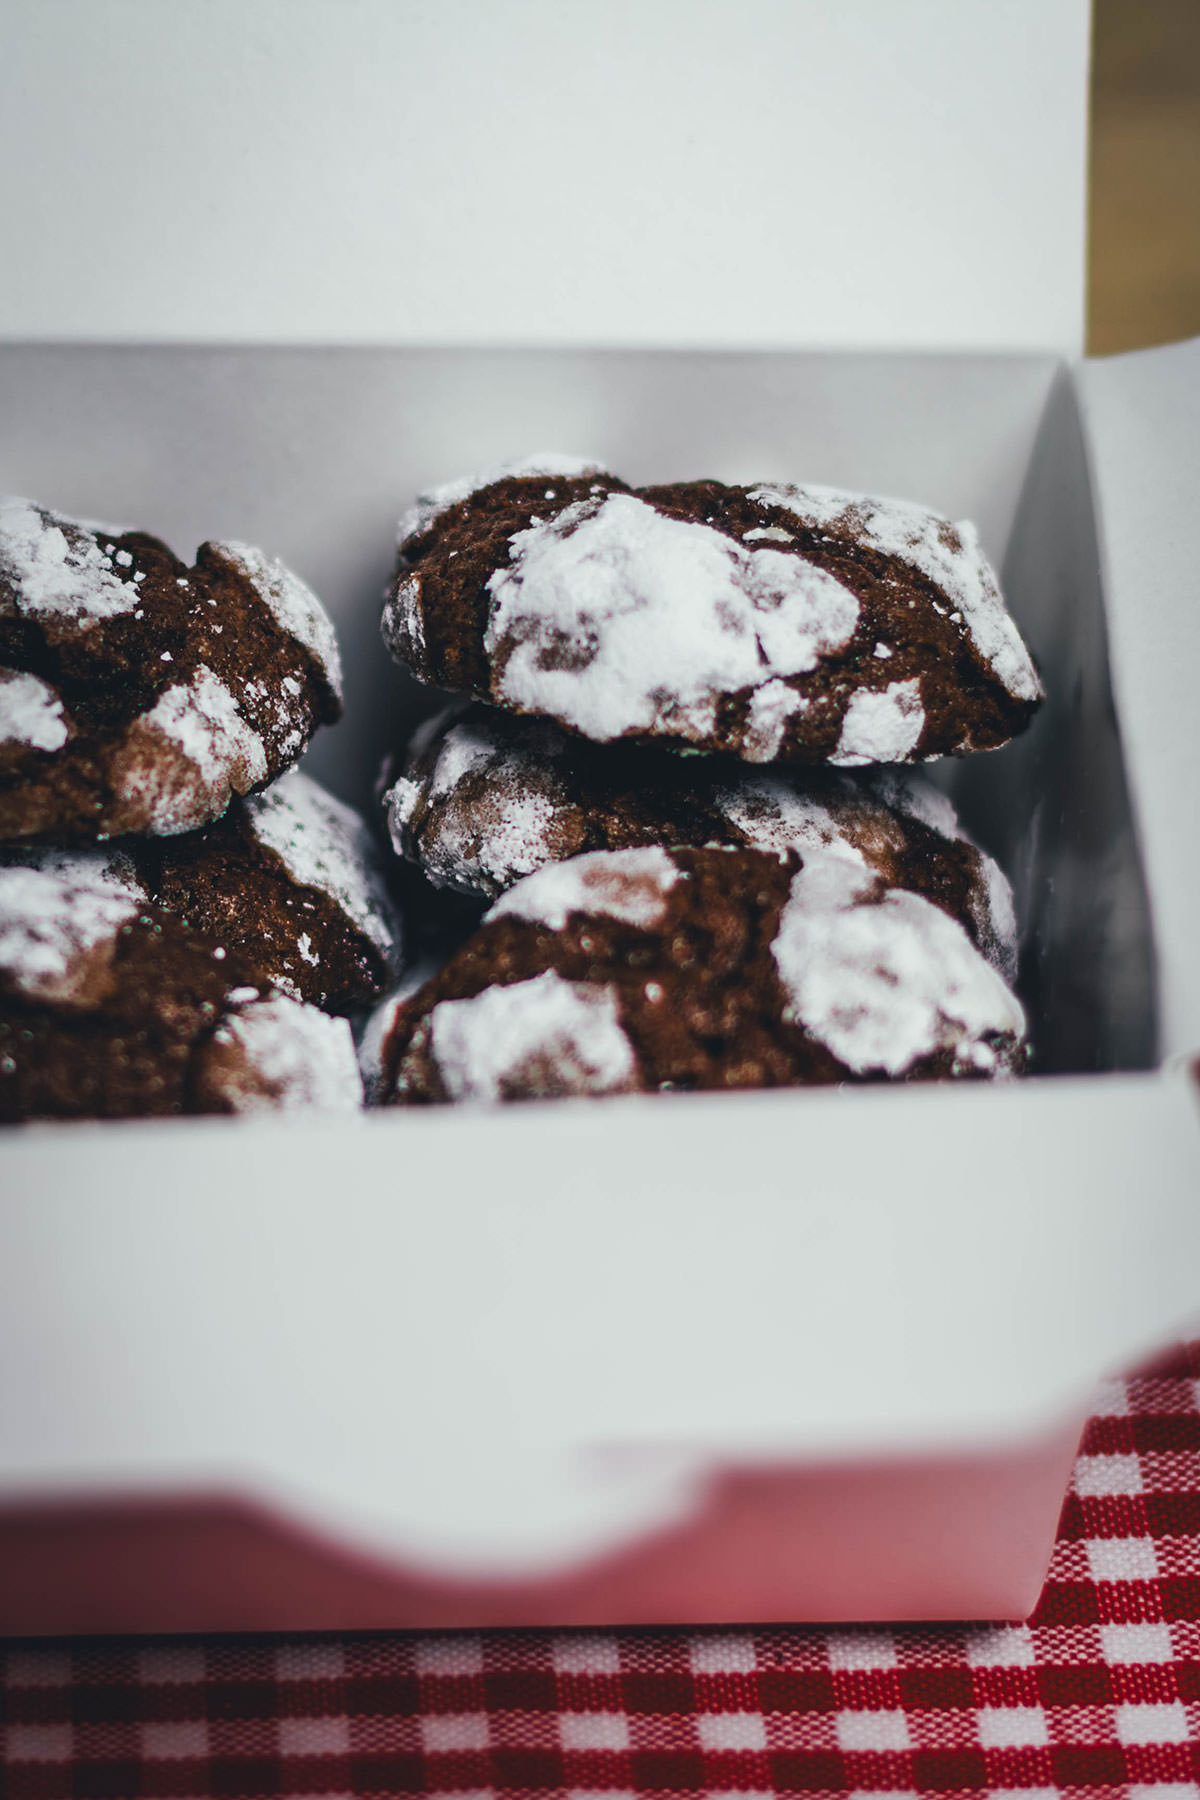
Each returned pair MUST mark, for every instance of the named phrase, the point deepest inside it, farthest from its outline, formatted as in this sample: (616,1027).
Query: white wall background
(904,173)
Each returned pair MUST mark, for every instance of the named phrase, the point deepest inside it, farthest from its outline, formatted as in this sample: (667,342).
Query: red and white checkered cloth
(1098,1695)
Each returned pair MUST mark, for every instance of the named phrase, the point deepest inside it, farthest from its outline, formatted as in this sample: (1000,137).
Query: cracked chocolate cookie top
(483,799)
(138,695)
(111,1007)
(291,880)
(775,622)
(634,970)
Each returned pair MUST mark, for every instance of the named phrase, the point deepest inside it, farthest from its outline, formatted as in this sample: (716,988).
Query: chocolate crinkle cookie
(111,1007)
(483,799)
(633,970)
(138,695)
(291,881)
(774,622)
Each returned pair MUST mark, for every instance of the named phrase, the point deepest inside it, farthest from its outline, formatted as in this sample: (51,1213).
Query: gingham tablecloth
(1098,1695)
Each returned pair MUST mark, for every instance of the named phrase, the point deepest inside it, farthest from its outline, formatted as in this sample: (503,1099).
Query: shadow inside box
(1054,805)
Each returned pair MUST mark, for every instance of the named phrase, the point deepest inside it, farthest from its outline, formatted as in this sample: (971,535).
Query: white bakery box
(792,1355)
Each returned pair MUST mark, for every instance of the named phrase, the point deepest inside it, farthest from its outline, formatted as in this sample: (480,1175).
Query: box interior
(313,453)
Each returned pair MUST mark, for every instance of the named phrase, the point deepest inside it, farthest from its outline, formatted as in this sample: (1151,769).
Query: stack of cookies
(185,920)
(671,811)
(665,836)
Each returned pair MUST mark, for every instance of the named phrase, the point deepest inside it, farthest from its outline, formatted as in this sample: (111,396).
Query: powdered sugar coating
(324,844)
(772,812)
(225,754)
(771,706)
(57,908)
(403,623)
(508,836)
(179,686)
(880,727)
(431,505)
(464,749)
(377,1029)
(545,1035)
(491,798)
(629,885)
(884,979)
(521,843)
(990,897)
(995,915)
(57,569)
(293,604)
(280,1054)
(614,618)
(400,802)
(30,712)
(373,1041)
(949,555)
(910,793)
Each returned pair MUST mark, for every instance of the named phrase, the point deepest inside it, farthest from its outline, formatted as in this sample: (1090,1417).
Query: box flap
(771,172)
(1142,414)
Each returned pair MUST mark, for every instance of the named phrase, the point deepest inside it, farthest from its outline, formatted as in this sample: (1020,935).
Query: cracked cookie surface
(774,622)
(483,799)
(648,969)
(291,880)
(111,1007)
(138,695)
